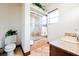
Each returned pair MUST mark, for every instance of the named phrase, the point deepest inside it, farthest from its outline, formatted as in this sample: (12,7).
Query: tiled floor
(40,48)
(42,51)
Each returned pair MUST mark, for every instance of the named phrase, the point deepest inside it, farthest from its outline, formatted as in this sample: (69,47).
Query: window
(53,16)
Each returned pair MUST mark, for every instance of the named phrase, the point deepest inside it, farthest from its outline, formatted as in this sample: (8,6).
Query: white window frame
(54,17)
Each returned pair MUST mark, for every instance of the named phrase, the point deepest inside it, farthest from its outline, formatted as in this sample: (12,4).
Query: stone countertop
(67,46)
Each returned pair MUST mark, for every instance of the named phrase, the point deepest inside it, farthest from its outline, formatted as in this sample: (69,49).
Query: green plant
(39,5)
(10,33)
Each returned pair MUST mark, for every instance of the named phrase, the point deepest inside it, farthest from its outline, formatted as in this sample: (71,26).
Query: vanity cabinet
(56,51)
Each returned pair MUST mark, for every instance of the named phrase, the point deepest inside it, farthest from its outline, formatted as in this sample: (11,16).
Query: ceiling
(52,6)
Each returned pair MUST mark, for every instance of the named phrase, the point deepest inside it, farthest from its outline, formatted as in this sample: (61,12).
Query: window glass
(53,16)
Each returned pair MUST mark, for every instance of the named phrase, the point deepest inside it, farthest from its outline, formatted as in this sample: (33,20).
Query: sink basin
(70,39)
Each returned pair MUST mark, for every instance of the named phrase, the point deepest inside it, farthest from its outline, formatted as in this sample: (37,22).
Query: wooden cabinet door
(55,51)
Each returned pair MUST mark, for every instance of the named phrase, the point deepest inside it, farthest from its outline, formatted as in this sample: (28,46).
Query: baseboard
(18,45)
(48,43)
(25,54)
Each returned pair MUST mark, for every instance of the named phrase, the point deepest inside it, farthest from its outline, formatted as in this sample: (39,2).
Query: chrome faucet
(77,35)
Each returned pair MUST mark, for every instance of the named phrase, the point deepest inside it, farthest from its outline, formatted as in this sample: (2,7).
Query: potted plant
(10,35)
(39,5)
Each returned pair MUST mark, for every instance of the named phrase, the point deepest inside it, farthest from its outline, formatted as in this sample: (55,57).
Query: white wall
(10,18)
(25,27)
(68,20)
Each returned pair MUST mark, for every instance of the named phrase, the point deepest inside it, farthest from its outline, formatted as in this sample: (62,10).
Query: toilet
(10,45)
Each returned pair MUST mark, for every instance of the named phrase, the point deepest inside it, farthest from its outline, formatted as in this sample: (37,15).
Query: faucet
(77,35)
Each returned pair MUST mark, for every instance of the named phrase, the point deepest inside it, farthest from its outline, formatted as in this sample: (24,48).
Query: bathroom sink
(70,39)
